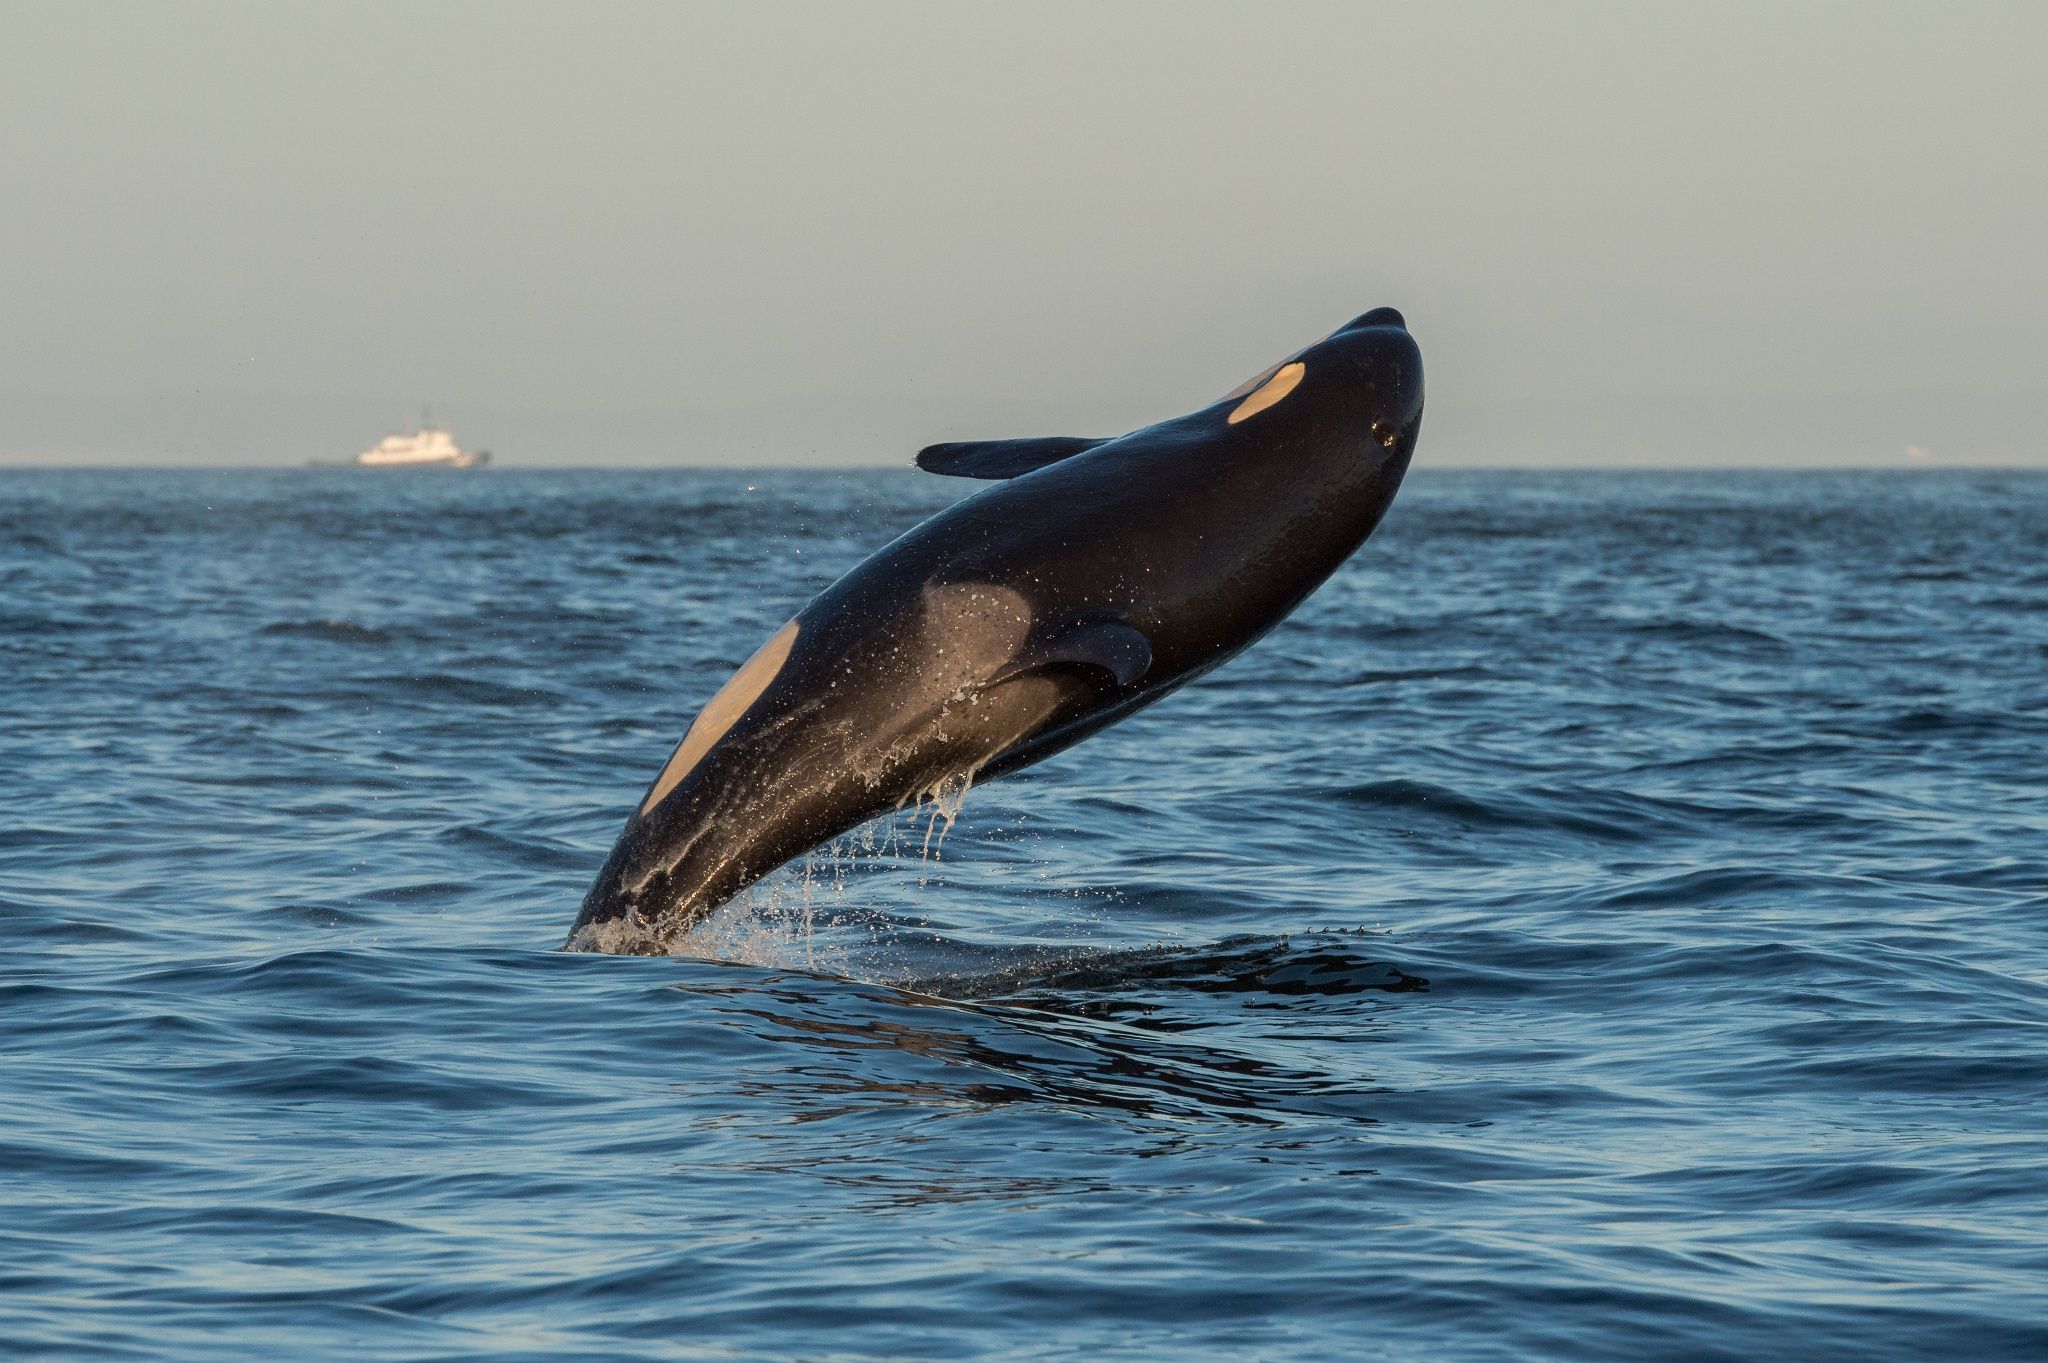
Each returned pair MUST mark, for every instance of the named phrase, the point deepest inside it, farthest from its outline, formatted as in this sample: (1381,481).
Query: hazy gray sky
(800,232)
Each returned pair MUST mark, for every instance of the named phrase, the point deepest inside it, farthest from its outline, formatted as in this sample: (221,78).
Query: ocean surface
(1608,921)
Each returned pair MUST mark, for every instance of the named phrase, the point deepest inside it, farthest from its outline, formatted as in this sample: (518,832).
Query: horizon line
(1930,465)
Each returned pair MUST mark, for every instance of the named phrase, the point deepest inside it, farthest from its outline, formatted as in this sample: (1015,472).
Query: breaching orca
(1099,576)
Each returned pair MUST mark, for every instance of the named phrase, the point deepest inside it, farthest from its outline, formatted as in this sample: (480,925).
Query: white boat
(429,446)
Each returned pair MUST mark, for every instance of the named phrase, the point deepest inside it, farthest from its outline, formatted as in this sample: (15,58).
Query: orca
(1096,577)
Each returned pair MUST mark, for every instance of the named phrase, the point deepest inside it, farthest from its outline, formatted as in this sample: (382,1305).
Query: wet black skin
(917,667)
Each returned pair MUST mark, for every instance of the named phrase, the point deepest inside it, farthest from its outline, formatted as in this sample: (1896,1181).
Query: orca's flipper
(1109,646)
(1002,458)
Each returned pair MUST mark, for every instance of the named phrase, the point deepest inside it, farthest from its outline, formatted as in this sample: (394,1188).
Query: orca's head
(1390,363)
(1362,384)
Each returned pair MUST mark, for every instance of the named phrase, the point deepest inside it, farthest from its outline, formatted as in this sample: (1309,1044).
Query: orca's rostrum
(1097,578)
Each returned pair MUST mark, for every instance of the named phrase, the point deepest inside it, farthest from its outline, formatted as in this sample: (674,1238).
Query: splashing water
(947,797)
(804,916)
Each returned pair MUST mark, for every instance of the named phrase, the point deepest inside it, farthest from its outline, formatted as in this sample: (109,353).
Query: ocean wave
(330,631)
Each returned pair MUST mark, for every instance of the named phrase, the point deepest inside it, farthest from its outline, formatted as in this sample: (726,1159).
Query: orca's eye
(1386,432)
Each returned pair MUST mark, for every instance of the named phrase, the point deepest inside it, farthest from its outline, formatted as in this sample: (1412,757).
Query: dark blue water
(1610,921)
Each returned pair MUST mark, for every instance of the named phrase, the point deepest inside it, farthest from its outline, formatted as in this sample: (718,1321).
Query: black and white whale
(1098,578)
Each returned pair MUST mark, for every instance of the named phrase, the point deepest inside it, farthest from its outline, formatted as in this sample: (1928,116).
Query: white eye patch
(1279,386)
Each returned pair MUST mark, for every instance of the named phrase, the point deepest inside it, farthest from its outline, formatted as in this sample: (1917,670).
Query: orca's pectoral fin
(1114,649)
(1002,458)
